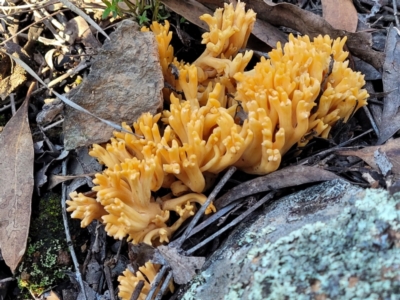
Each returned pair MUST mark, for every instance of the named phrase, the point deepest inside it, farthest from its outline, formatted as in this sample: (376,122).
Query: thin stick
(67,233)
(178,243)
(156,282)
(138,288)
(71,72)
(336,148)
(371,120)
(396,18)
(231,224)
(220,213)
(12,103)
(164,286)
(53,125)
(110,286)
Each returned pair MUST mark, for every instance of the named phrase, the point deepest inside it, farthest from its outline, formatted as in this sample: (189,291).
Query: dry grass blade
(63,98)
(79,12)
(16,182)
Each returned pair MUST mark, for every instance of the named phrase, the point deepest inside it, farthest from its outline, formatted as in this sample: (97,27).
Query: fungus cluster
(129,281)
(299,92)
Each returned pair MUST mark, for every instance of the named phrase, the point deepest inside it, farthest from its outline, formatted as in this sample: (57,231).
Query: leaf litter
(16,182)
(371,166)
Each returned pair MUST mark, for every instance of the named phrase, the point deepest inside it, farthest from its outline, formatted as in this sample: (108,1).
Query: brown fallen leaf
(341,14)
(390,119)
(183,267)
(287,177)
(368,154)
(16,182)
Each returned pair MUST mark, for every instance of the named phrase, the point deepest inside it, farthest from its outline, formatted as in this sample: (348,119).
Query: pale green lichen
(342,242)
(351,257)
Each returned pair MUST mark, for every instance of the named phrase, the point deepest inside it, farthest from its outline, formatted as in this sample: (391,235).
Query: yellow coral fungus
(286,88)
(305,87)
(85,208)
(128,281)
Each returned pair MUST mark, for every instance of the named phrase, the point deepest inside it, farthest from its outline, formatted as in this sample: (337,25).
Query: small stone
(125,81)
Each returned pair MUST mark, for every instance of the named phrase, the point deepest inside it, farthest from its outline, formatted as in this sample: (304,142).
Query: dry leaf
(287,177)
(391,150)
(341,14)
(390,123)
(16,182)
(183,267)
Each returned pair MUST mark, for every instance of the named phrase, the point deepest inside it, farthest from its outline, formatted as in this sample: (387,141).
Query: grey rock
(125,81)
(330,241)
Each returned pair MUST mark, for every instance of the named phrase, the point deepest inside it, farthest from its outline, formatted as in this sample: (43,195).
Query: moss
(46,258)
(353,257)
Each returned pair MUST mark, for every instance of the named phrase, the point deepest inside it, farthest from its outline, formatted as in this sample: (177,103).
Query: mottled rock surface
(331,241)
(125,81)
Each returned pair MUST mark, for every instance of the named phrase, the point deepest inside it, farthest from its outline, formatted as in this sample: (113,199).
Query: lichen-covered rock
(125,81)
(331,241)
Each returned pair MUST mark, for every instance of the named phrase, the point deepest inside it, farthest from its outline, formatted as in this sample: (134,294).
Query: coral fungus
(299,92)
(305,87)
(129,280)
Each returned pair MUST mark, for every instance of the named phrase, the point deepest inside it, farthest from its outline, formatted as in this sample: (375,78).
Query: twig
(136,293)
(110,286)
(12,103)
(330,150)
(215,217)
(43,40)
(178,243)
(164,286)
(86,262)
(82,65)
(323,84)
(396,18)
(53,125)
(7,106)
(156,282)
(67,233)
(372,121)
(49,25)
(231,224)
(47,140)
(7,279)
